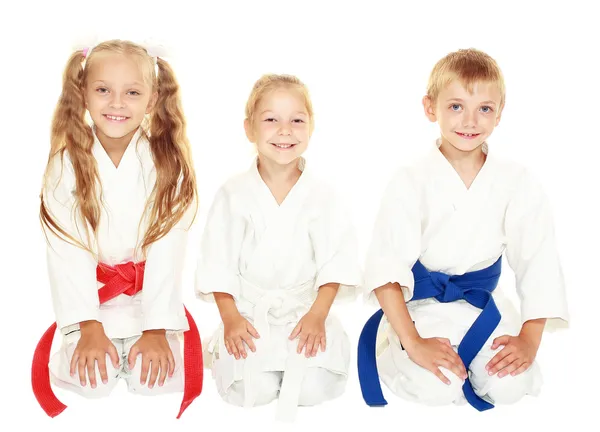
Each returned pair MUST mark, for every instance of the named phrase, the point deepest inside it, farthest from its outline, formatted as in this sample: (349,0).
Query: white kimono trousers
(272,259)
(72,270)
(428,214)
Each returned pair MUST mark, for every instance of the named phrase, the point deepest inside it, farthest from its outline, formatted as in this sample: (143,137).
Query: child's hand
(311,330)
(431,353)
(238,330)
(92,347)
(156,352)
(516,356)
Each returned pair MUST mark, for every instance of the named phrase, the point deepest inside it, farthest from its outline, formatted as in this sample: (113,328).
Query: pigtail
(71,133)
(175,188)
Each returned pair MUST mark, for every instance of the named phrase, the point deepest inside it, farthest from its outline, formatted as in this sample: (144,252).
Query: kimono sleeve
(396,239)
(162,297)
(71,268)
(533,256)
(218,258)
(335,244)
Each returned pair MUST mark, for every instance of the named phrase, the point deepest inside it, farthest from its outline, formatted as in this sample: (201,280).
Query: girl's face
(281,128)
(117,96)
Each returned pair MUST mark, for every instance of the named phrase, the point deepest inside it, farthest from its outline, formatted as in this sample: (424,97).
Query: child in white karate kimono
(435,257)
(277,250)
(118,198)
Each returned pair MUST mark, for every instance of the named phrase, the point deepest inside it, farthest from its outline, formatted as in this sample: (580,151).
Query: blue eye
(102,90)
(486,109)
(455,107)
(134,93)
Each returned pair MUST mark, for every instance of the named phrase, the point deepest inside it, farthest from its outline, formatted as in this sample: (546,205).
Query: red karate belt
(121,279)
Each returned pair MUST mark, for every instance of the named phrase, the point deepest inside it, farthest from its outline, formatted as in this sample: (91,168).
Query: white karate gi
(428,214)
(72,270)
(272,259)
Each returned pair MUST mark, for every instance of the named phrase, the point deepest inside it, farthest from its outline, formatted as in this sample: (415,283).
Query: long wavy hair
(175,188)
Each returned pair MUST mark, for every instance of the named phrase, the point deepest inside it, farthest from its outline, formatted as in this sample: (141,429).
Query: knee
(432,391)
(267,391)
(170,385)
(510,389)
(59,368)
(320,385)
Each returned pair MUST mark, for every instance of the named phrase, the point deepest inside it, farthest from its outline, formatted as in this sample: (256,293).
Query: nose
(117,101)
(285,129)
(469,119)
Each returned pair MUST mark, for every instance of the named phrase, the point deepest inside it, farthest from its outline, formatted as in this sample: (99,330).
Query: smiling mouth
(283,146)
(468,135)
(114,118)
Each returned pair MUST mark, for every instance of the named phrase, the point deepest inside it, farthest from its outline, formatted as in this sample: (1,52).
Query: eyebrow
(135,83)
(487,102)
(297,112)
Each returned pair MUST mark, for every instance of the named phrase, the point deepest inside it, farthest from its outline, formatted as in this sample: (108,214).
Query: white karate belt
(286,301)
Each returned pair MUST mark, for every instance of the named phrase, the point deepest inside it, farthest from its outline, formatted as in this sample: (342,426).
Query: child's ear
(249,131)
(152,103)
(429,108)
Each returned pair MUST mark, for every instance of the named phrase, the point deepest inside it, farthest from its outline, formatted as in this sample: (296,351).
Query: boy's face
(466,119)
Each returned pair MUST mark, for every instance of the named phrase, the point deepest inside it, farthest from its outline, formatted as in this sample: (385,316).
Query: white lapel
(280,227)
(457,212)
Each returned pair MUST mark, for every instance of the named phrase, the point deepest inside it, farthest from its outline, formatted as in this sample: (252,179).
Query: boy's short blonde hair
(467,66)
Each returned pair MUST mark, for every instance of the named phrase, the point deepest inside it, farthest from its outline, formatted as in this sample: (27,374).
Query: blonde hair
(468,66)
(175,187)
(271,82)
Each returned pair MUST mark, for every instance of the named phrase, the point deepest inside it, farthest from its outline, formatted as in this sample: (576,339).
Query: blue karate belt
(474,287)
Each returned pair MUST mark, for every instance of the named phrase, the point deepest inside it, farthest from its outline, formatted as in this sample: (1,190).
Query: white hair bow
(153,47)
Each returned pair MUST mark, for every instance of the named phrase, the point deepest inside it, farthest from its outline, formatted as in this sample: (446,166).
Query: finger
(252,331)
(490,367)
(155,365)
(323,343)
(451,366)
(445,341)
(240,346)
(74,361)
(501,340)
(310,343)
(503,363)
(145,369)
(455,358)
(102,369)
(133,353)
(316,344)
(171,359)
(294,334)
(511,367)
(438,373)
(164,369)
(114,356)
(81,366)
(234,349)
(91,369)
(301,343)
(227,348)
(521,369)
(248,339)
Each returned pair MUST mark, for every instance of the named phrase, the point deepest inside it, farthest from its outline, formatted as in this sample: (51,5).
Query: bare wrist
(319,311)
(410,340)
(91,326)
(159,332)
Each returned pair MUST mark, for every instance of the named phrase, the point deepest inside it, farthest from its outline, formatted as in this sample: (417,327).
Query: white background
(366,65)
